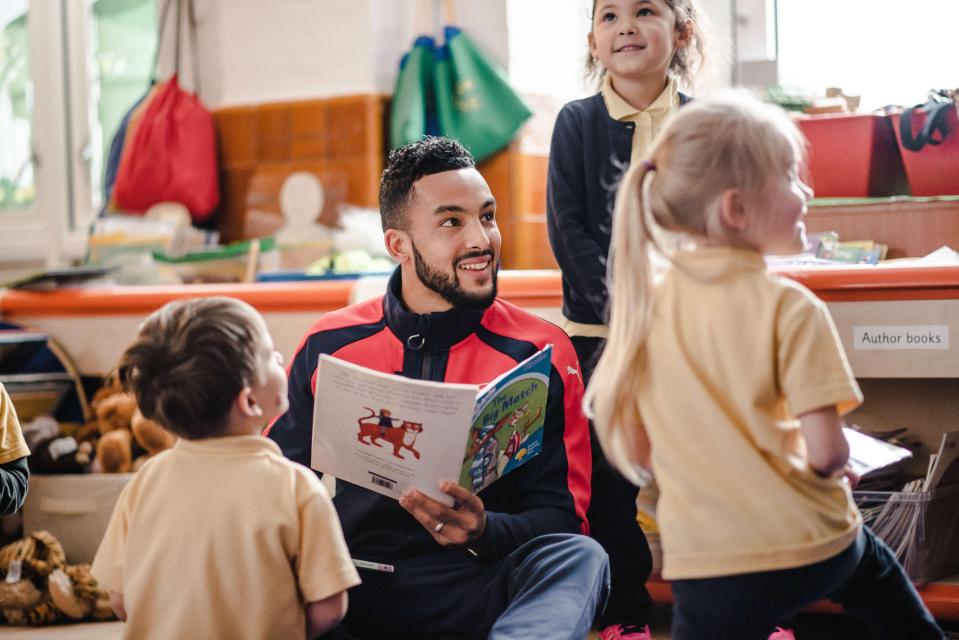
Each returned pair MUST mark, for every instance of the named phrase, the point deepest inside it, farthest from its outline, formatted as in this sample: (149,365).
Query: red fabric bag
(172,156)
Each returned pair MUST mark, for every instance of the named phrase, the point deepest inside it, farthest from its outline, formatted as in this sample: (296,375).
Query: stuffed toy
(115,452)
(61,454)
(115,411)
(40,588)
(127,439)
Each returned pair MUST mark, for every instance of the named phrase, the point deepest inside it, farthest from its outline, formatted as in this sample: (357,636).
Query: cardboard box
(74,508)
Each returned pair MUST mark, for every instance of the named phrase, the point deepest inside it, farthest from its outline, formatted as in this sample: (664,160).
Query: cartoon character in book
(512,446)
(401,437)
(384,421)
(484,460)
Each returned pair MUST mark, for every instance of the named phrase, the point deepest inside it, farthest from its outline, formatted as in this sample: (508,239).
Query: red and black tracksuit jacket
(548,494)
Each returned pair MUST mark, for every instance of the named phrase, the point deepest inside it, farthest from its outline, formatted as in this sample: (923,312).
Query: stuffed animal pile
(115,439)
(38,587)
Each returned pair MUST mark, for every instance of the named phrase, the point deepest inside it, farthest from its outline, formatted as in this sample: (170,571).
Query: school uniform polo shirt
(12,444)
(647,122)
(223,538)
(734,355)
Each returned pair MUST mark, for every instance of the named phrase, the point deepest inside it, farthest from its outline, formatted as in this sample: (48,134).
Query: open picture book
(388,433)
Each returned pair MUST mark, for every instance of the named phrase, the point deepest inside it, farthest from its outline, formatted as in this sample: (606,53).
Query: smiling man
(505,563)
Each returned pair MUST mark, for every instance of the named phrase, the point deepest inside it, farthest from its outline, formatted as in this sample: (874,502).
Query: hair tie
(650,166)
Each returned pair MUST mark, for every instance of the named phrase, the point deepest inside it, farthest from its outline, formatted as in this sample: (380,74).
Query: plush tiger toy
(44,589)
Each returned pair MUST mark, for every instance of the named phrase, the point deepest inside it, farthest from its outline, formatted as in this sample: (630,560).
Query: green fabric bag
(474,102)
(412,108)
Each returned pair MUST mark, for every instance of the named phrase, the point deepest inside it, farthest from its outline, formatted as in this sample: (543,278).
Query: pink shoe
(626,632)
(782,634)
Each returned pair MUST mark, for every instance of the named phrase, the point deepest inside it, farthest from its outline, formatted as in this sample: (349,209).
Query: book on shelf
(871,457)
(388,433)
(944,464)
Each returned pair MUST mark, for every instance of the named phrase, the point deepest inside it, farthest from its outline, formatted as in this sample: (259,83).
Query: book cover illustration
(387,433)
(507,429)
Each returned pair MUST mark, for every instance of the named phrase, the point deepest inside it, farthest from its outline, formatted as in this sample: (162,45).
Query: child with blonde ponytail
(727,383)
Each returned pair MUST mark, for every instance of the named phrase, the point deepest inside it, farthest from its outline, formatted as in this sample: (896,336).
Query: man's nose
(477,236)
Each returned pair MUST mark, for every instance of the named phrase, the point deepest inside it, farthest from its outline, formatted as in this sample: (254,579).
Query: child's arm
(116,603)
(323,614)
(14,480)
(825,443)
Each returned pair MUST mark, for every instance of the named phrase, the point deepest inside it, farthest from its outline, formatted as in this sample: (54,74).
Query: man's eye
(450,222)
(489,217)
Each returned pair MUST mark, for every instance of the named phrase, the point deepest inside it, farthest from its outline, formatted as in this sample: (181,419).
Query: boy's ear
(246,404)
(398,245)
(732,210)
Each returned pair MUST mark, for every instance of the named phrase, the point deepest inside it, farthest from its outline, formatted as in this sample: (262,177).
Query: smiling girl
(641,51)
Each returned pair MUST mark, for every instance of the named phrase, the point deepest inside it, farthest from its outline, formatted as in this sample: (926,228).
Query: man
(505,562)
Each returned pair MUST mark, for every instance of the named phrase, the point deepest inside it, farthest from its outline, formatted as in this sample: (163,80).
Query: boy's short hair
(408,164)
(189,362)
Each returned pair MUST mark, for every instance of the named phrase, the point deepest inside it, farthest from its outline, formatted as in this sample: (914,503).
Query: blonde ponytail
(731,141)
(611,397)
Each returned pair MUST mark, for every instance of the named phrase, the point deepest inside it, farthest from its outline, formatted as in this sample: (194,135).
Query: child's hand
(849,474)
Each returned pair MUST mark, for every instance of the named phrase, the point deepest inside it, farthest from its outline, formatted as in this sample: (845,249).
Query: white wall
(252,51)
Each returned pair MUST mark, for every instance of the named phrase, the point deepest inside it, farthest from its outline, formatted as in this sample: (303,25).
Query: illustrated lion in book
(401,437)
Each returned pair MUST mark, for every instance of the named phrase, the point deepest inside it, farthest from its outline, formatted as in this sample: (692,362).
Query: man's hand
(460,524)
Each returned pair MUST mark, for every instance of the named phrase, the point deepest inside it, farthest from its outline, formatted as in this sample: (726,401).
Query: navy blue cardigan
(588,156)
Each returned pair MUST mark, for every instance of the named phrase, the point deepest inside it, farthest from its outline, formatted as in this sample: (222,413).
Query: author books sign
(901,337)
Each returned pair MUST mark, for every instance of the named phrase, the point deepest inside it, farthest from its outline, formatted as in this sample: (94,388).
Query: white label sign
(902,337)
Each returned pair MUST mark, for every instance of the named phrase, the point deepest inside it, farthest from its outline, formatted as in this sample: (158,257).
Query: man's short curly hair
(408,164)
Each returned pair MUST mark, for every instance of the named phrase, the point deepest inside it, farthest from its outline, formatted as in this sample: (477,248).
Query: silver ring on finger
(439,527)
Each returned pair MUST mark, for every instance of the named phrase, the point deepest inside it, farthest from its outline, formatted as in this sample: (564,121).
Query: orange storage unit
(853,156)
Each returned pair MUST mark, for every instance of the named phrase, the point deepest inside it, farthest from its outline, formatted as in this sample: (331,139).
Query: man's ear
(246,404)
(732,210)
(398,245)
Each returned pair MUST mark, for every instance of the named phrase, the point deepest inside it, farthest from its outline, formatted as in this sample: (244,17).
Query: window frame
(53,229)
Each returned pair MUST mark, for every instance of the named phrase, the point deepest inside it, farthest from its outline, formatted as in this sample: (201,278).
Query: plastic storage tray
(922,528)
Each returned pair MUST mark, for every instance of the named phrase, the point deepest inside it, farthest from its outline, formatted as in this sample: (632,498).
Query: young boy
(14,476)
(220,536)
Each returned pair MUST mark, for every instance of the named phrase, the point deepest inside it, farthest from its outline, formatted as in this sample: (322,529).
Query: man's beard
(448,286)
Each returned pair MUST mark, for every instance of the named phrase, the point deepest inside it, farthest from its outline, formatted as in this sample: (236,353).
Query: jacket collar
(436,331)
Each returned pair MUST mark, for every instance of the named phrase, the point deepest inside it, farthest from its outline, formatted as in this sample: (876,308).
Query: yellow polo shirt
(734,355)
(223,538)
(12,445)
(648,122)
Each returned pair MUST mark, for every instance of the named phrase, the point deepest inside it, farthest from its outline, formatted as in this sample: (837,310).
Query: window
(887,51)
(17,189)
(69,70)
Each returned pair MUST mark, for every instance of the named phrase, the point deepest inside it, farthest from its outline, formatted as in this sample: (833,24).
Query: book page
(507,427)
(387,433)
